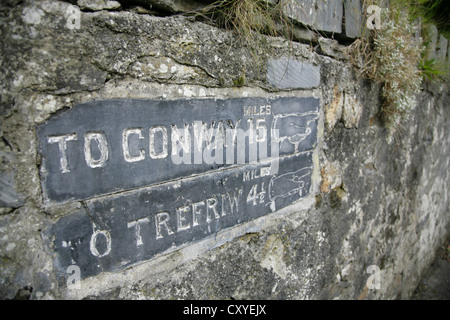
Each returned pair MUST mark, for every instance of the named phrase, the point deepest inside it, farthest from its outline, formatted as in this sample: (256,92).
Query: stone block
(441,49)
(8,195)
(353,18)
(287,73)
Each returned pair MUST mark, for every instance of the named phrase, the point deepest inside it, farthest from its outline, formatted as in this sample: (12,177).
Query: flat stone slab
(108,146)
(318,14)
(286,73)
(117,231)
(354,22)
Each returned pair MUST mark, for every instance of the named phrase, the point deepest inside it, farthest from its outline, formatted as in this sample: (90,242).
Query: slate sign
(155,175)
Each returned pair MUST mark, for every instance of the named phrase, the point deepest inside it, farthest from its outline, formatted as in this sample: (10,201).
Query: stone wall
(369,205)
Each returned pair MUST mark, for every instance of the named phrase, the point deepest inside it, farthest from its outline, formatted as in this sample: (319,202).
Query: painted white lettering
(211,204)
(62,144)
(102,146)
(274,151)
(152,132)
(93,243)
(181,218)
(126,148)
(230,139)
(261,130)
(232,201)
(162,219)
(137,229)
(196,212)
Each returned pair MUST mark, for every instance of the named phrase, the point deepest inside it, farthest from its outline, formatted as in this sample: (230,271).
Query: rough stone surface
(353,18)
(98,5)
(371,203)
(316,14)
(288,73)
(332,48)
(8,194)
(352,111)
(441,50)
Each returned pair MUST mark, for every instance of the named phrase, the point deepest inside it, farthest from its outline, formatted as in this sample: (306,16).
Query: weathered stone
(172,5)
(352,111)
(122,230)
(433,36)
(164,69)
(331,174)
(97,5)
(441,50)
(316,14)
(329,16)
(370,203)
(86,153)
(353,18)
(9,197)
(286,73)
(448,53)
(333,111)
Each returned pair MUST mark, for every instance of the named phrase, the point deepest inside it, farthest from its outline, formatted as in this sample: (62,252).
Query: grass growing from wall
(435,12)
(393,55)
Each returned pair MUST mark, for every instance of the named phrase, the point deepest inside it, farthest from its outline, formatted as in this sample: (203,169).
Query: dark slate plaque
(117,231)
(157,202)
(108,146)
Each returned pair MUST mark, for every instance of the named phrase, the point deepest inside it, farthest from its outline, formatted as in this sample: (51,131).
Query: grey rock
(8,195)
(132,223)
(329,16)
(97,5)
(317,14)
(287,73)
(332,48)
(70,172)
(171,5)
(433,37)
(441,50)
(353,18)
(371,203)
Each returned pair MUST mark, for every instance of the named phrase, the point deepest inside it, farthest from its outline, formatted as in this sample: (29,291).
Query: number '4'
(253,195)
